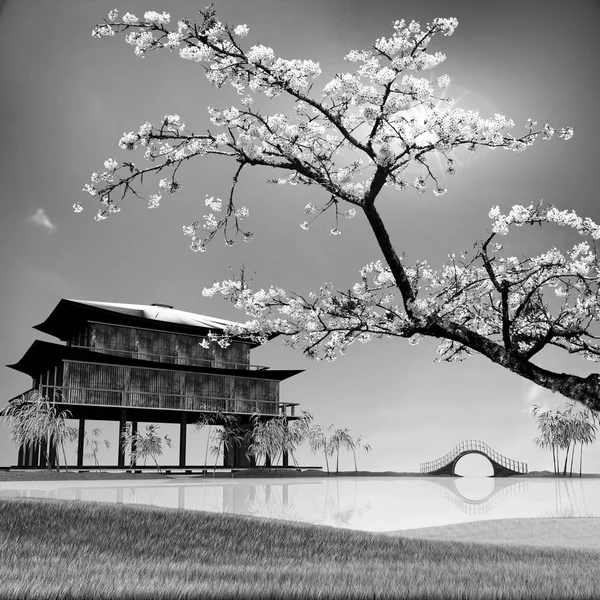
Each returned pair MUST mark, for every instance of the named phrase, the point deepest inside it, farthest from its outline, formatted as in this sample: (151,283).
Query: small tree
(296,432)
(268,440)
(320,442)
(547,424)
(340,438)
(563,430)
(212,419)
(92,443)
(224,439)
(586,430)
(359,444)
(144,445)
(33,419)
(257,449)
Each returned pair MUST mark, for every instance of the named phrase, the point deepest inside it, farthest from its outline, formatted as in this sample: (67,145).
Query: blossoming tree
(366,130)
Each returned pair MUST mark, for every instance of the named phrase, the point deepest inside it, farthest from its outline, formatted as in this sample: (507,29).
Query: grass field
(51,549)
(575,533)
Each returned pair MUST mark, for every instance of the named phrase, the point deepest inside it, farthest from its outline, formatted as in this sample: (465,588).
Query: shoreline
(82,474)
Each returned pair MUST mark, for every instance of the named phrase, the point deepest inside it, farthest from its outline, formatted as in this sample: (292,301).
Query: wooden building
(147,363)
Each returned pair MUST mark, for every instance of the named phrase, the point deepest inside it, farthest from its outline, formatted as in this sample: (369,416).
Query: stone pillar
(80,442)
(122,426)
(182,439)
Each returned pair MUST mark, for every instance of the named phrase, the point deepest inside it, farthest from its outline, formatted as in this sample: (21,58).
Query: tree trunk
(64,455)
(217,459)
(572,457)
(566,458)
(580,457)
(585,390)
(205,471)
(355,465)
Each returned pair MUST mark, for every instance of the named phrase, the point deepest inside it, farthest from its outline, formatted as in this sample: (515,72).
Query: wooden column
(52,454)
(284,455)
(35,452)
(182,439)
(134,429)
(44,452)
(122,425)
(80,442)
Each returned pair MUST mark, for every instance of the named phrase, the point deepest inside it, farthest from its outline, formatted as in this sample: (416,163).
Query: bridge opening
(474,465)
(475,489)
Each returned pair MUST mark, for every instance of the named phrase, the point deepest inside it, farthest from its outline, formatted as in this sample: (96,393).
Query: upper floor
(157,333)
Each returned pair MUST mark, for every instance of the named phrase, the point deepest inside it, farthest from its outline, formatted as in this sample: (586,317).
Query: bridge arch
(474,464)
(502,466)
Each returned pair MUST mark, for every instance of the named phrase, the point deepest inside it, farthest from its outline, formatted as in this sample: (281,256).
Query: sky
(67,98)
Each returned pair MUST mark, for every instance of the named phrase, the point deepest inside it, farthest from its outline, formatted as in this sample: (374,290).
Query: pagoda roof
(44,355)
(69,315)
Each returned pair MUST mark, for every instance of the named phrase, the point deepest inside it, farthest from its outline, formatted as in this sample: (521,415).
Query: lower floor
(234,455)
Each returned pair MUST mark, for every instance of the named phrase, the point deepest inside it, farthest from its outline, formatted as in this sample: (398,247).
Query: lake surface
(364,503)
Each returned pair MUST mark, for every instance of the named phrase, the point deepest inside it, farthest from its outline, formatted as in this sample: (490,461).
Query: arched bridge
(502,466)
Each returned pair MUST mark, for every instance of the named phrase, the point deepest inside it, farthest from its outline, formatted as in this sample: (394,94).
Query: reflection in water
(566,503)
(487,492)
(370,504)
(286,501)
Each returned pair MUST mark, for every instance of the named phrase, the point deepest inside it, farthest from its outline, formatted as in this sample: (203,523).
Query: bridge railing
(468,445)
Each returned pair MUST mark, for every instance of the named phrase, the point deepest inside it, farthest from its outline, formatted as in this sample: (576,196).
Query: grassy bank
(52,549)
(582,533)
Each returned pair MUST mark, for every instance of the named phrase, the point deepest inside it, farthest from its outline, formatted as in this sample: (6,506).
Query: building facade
(147,363)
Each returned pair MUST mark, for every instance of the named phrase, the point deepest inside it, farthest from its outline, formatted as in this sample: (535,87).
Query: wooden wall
(146,344)
(161,388)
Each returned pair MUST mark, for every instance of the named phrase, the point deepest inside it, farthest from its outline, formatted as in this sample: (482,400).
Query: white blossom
(241,30)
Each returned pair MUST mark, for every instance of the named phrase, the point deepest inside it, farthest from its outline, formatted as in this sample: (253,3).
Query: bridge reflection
(500,490)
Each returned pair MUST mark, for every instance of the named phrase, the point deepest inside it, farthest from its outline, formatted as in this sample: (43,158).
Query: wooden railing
(474,445)
(174,360)
(119,398)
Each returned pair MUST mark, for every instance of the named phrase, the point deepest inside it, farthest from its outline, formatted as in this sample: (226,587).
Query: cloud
(533,396)
(533,393)
(40,218)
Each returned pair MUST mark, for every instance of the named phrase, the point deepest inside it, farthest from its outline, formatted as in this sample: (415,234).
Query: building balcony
(173,360)
(133,399)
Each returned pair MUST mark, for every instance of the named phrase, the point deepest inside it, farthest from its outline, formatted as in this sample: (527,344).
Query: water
(363,503)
